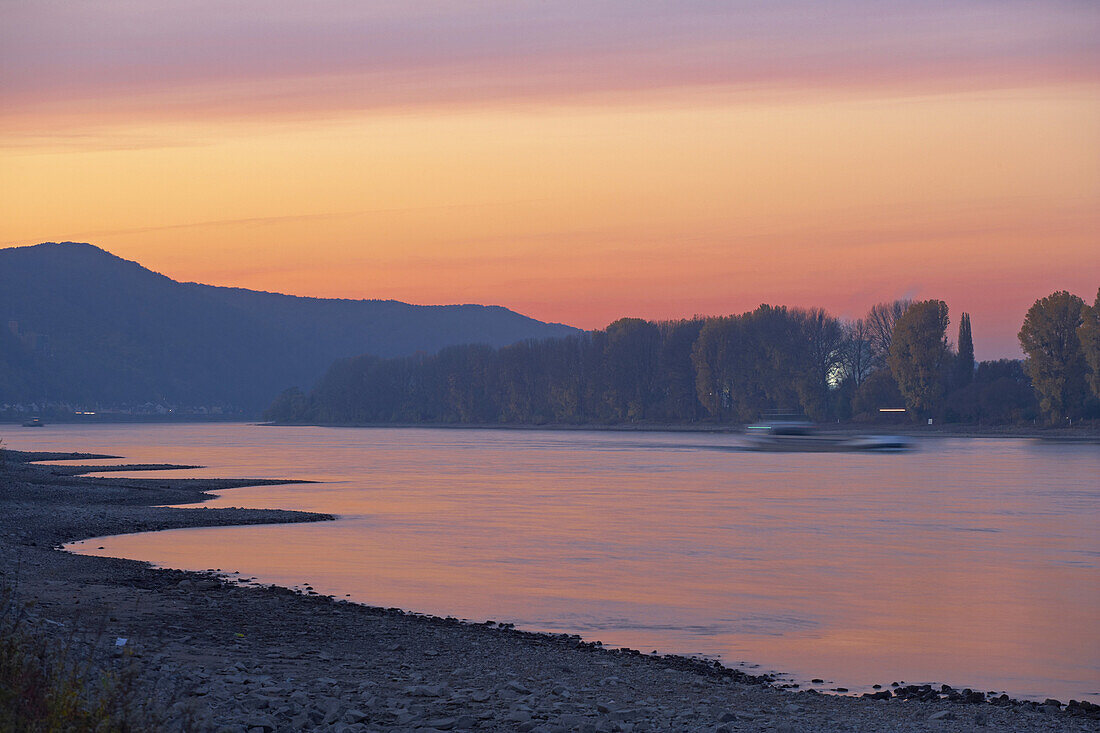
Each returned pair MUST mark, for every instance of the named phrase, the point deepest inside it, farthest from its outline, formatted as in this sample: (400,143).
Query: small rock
(263,722)
(429,690)
(355,716)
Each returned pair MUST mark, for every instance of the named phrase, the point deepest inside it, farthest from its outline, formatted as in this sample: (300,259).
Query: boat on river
(34,422)
(804,436)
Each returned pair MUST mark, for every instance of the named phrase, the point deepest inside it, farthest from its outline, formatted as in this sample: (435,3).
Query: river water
(972,562)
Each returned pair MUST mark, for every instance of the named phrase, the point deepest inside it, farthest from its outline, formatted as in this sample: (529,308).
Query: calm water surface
(970,562)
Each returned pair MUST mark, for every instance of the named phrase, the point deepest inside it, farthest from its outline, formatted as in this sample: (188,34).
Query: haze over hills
(80,325)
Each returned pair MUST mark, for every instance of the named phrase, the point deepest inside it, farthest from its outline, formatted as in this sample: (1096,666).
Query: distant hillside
(79,324)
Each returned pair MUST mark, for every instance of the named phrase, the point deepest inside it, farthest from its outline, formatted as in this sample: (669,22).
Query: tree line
(731,369)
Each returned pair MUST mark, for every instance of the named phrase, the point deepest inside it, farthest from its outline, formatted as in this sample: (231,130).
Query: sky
(575,161)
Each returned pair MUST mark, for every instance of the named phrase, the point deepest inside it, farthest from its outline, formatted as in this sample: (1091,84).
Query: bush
(48,682)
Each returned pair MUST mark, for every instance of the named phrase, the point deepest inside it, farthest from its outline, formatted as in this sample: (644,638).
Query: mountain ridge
(81,324)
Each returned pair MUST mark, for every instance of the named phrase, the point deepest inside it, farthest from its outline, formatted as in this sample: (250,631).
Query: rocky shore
(227,656)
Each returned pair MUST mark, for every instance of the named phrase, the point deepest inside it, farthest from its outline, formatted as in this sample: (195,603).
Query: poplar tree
(964,361)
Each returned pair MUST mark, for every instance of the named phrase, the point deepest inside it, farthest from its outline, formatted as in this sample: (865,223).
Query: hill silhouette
(78,324)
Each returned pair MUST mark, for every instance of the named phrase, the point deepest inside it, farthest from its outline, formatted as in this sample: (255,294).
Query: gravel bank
(223,656)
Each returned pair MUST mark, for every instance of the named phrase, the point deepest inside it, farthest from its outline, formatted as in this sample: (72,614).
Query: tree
(630,362)
(1055,360)
(290,406)
(730,369)
(680,398)
(772,370)
(719,340)
(964,360)
(918,353)
(857,351)
(878,391)
(1089,335)
(822,343)
(880,329)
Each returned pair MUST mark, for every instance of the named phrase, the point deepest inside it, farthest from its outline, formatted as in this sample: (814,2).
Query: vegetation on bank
(49,683)
(732,369)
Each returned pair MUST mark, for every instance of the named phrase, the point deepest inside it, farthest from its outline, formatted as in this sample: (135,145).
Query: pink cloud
(250,56)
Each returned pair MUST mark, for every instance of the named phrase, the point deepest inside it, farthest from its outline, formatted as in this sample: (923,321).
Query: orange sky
(572,179)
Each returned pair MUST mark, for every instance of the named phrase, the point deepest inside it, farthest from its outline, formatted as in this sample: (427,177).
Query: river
(972,562)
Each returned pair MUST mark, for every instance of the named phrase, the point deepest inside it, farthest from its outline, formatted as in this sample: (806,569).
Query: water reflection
(971,562)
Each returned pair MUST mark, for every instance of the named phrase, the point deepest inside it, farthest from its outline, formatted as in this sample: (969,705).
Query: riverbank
(237,657)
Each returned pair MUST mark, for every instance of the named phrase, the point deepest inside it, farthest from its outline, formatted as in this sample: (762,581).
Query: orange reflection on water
(971,562)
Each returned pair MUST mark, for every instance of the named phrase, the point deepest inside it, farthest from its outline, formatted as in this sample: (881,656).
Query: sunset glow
(574,162)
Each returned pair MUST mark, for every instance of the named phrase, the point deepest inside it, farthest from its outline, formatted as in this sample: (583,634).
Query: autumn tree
(918,353)
(880,329)
(964,359)
(713,355)
(1089,335)
(773,370)
(879,390)
(1055,360)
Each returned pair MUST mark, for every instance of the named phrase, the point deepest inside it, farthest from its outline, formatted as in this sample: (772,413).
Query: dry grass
(51,681)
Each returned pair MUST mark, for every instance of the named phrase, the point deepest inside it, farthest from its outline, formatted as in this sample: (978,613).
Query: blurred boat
(802,435)
(34,422)
(879,442)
